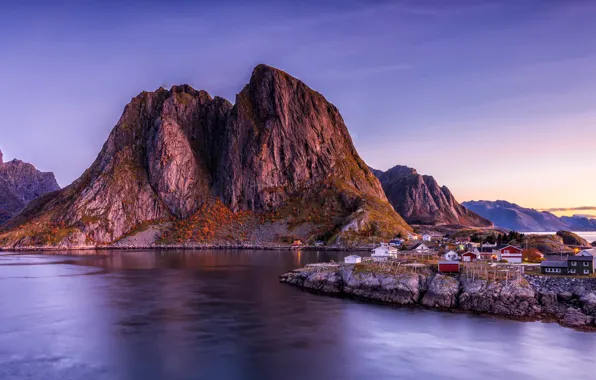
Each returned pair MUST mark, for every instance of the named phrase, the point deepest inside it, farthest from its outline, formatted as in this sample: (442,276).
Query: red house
(448,267)
(510,253)
(469,256)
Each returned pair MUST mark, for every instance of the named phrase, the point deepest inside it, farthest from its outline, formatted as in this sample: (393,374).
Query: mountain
(579,222)
(514,217)
(20,183)
(192,169)
(420,200)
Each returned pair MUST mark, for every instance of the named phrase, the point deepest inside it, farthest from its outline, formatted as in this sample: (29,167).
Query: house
(462,239)
(574,265)
(451,256)
(508,252)
(553,267)
(420,247)
(580,265)
(587,252)
(396,242)
(489,245)
(384,251)
(485,253)
(412,236)
(427,237)
(319,243)
(448,267)
(469,256)
(353,259)
(296,244)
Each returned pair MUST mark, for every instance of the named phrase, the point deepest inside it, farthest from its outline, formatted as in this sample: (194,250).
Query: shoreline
(187,247)
(569,302)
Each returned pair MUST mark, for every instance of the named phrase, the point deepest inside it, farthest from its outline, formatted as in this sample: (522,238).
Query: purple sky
(495,99)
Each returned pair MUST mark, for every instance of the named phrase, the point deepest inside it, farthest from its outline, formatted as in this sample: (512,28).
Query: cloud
(582,208)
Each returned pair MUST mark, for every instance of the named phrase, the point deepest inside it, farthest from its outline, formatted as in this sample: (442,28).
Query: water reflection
(223,315)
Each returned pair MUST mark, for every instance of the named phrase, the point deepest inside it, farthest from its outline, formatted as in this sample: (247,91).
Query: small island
(488,288)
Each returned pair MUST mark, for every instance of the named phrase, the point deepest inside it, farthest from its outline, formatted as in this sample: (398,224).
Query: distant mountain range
(420,200)
(20,183)
(514,217)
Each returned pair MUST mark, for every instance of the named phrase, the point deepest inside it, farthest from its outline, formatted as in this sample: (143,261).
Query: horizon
(440,91)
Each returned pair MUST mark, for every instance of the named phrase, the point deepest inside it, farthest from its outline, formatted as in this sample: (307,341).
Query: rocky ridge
(202,171)
(420,200)
(569,301)
(514,217)
(20,183)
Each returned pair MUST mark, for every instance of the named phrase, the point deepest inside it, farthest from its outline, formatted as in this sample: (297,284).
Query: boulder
(575,318)
(442,292)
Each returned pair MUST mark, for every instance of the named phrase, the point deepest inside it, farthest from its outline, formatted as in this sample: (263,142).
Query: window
(571,270)
(586,263)
(586,271)
(573,264)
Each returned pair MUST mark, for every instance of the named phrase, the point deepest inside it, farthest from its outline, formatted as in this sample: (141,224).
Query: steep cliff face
(420,200)
(283,137)
(20,183)
(174,154)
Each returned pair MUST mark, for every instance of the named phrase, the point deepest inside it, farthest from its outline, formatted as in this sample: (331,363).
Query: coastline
(183,247)
(571,302)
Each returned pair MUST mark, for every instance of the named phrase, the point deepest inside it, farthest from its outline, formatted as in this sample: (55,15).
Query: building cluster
(452,252)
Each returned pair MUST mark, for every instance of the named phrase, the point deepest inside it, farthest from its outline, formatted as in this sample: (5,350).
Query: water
(588,235)
(223,315)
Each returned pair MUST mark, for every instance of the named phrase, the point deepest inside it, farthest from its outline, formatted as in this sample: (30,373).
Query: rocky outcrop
(442,292)
(282,153)
(496,297)
(569,238)
(20,183)
(514,217)
(420,200)
(570,301)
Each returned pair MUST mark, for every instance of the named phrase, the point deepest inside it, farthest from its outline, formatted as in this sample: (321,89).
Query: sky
(495,99)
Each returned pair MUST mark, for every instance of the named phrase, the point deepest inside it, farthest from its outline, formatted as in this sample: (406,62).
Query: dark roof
(552,263)
(486,249)
(581,258)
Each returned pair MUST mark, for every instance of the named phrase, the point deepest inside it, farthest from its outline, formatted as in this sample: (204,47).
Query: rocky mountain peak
(20,183)
(281,147)
(420,200)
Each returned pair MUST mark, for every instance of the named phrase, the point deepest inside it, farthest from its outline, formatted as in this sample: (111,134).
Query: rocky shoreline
(180,246)
(569,301)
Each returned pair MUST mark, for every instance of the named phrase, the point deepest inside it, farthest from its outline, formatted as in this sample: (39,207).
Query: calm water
(223,315)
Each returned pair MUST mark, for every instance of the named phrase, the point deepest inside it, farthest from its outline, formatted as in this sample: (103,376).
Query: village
(461,255)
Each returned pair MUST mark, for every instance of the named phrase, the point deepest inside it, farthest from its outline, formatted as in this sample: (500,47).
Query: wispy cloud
(559,209)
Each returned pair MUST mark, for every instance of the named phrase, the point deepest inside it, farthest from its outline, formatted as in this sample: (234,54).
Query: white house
(587,252)
(451,256)
(427,237)
(353,259)
(420,247)
(384,251)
